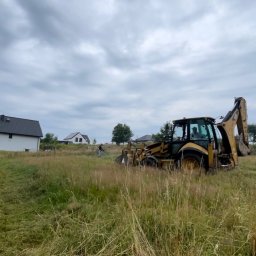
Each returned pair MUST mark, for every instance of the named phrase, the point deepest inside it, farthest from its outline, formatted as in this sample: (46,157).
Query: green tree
(252,132)
(49,138)
(121,133)
(49,141)
(164,134)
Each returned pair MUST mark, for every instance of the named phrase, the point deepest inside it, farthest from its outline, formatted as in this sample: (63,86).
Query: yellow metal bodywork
(136,154)
(211,156)
(236,117)
(194,146)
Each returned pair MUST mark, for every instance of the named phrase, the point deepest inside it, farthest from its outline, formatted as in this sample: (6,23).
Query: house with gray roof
(18,134)
(145,138)
(77,138)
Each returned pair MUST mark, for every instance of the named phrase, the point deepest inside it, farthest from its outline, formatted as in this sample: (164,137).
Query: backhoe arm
(236,117)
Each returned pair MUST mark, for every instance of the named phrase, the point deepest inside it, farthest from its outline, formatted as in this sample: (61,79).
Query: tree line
(122,133)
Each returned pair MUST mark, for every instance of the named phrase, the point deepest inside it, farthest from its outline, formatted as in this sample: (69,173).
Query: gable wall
(78,136)
(19,143)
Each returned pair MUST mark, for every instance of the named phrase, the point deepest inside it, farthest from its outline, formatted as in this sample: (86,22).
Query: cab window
(210,129)
(198,130)
(180,132)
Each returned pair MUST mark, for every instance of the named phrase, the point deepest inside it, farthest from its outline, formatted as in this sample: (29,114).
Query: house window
(76,140)
(80,140)
(10,136)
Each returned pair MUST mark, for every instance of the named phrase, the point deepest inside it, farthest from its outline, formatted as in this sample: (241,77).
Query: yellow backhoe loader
(196,143)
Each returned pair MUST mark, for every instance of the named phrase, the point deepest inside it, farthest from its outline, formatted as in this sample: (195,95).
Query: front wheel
(150,162)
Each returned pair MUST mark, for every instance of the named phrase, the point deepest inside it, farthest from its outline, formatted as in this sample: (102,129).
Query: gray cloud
(88,65)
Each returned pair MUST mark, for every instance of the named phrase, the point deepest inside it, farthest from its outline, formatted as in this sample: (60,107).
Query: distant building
(18,134)
(77,138)
(145,138)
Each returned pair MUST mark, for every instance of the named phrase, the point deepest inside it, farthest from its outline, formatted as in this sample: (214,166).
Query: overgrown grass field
(71,202)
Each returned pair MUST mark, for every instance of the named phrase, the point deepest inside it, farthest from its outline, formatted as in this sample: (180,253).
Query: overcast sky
(88,65)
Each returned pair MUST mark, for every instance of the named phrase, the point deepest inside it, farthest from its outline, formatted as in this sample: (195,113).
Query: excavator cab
(191,138)
(198,130)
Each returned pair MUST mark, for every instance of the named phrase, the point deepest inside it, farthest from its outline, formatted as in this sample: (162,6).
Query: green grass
(74,203)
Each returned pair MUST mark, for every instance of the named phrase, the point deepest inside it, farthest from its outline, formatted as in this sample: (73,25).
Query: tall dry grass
(85,205)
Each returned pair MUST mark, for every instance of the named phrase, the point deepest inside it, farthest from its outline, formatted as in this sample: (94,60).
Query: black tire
(150,162)
(122,159)
(193,163)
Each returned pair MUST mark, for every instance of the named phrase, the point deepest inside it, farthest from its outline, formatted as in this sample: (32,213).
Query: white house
(17,134)
(77,138)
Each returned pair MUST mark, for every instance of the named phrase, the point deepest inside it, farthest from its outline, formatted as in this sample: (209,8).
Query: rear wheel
(192,163)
